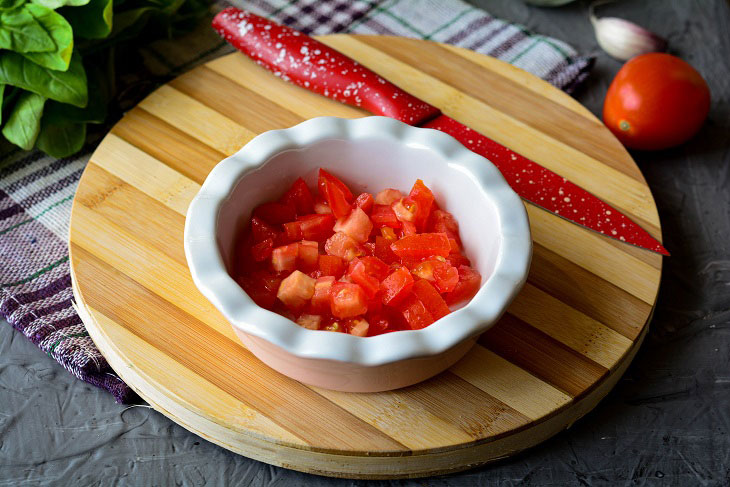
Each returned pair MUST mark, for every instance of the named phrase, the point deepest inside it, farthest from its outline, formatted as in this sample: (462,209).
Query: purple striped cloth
(36,191)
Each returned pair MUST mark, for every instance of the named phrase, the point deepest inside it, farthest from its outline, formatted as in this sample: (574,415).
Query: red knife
(306,62)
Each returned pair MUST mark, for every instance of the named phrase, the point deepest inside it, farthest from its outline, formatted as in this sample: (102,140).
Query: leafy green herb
(60,31)
(24,123)
(21,32)
(59,136)
(64,86)
(93,20)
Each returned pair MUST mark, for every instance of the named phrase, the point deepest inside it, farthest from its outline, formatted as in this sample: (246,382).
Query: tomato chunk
(348,300)
(405,210)
(368,272)
(384,216)
(331,265)
(396,286)
(310,322)
(467,287)
(365,201)
(415,312)
(322,294)
(299,197)
(285,258)
(308,255)
(422,245)
(262,230)
(275,213)
(388,197)
(423,199)
(358,327)
(343,246)
(444,222)
(357,225)
(431,299)
(296,290)
(442,274)
(262,250)
(325,176)
(261,286)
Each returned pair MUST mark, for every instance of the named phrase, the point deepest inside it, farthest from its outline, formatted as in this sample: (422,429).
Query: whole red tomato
(656,101)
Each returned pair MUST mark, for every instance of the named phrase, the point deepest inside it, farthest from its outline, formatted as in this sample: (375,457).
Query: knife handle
(304,61)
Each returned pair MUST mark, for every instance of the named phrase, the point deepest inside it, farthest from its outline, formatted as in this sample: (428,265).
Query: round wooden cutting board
(564,343)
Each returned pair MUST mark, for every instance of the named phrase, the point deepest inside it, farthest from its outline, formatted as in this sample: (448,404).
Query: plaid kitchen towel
(36,191)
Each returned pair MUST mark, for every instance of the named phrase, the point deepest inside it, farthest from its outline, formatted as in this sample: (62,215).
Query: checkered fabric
(36,191)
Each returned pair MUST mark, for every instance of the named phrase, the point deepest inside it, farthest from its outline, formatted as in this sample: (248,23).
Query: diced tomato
(422,245)
(308,255)
(325,176)
(357,225)
(442,274)
(310,322)
(365,201)
(431,299)
(300,197)
(262,250)
(396,286)
(457,260)
(275,213)
(384,216)
(368,272)
(293,231)
(383,251)
(342,246)
(388,197)
(336,200)
(442,221)
(262,230)
(358,327)
(296,290)
(405,209)
(415,312)
(423,198)
(331,265)
(369,248)
(322,208)
(316,227)
(378,324)
(468,285)
(322,294)
(261,286)
(284,258)
(348,300)
(409,228)
(455,247)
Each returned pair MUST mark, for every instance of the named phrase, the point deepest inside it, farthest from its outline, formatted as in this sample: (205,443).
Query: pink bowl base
(348,377)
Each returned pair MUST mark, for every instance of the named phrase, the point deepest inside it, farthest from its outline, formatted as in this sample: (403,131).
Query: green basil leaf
(24,122)
(92,21)
(62,34)
(6,5)
(60,137)
(21,32)
(54,4)
(2,99)
(64,86)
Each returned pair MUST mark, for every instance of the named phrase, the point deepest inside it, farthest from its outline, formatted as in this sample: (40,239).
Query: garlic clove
(623,39)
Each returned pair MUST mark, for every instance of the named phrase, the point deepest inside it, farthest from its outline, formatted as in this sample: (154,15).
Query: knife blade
(306,62)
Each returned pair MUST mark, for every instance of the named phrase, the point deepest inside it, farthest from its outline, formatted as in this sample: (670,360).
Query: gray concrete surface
(666,423)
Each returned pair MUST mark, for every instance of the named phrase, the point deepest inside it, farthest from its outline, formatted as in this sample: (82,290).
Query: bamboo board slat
(563,344)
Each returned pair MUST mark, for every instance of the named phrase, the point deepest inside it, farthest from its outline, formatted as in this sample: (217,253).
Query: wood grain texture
(558,350)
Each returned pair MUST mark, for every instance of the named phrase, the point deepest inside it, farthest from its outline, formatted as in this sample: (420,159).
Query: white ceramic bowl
(368,154)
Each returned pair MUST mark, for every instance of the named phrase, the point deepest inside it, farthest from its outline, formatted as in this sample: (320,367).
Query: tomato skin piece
(656,101)
(384,216)
(331,265)
(423,198)
(300,197)
(422,245)
(357,225)
(325,176)
(431,299)
(365,201)
(469,282)
(275,213)
(415,312)
(348,300)
(396,286)
(343,246)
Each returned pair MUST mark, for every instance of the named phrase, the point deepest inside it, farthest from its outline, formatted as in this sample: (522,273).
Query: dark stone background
(666,423)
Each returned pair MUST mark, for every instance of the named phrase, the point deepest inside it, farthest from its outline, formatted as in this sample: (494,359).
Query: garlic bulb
(623,39)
